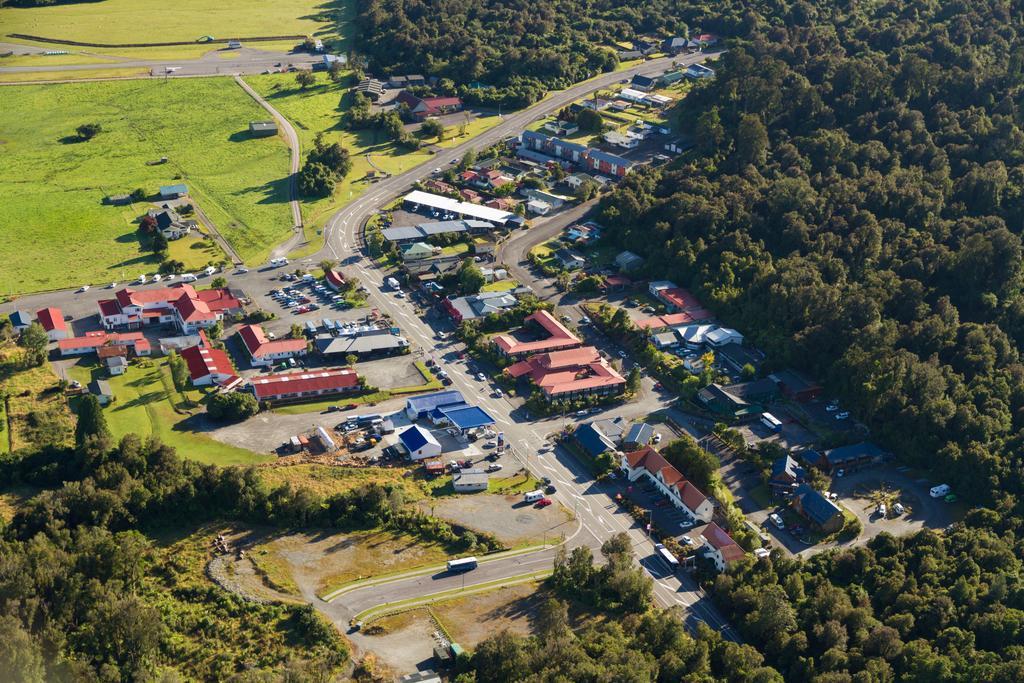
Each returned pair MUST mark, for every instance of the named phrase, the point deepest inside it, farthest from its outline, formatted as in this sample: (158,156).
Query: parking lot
(664,515)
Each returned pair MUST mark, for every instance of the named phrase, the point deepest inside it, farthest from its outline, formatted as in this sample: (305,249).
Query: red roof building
(720,546)
(569,374)
(556,336)
(290,386)
(335,280)
(208,365)
(52,320)
(663,322)
(90,342)
(181,305)
(669,480)
(265,351)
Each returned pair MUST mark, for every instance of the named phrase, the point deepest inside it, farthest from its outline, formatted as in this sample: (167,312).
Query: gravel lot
(506,517)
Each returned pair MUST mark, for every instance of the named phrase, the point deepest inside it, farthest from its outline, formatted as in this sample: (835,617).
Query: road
(292,138)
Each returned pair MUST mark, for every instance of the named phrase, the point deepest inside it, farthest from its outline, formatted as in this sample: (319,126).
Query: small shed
(262,129)
(100,388)
(116,365)
(20,320)
(173,191)
(470,481)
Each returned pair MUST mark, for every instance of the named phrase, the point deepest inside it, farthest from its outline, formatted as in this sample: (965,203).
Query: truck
(533,496)
(939,491)
(391,282)
(462,565)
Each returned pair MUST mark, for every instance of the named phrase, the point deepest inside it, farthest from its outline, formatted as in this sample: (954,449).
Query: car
(546,480)
(545,447)
(842,416)
(492,443)
(399,294)
(882,510)
(242,271)
(898,508)
(840,472)
(481,376)
(581,413)
(832,407)
(83,288)
(566,319)
(142,279)
(686,524)
(75,384)
(832,496)
(595,410)
(777,520)
(493,467)
(657,437)
(171,276)
(951,498)
(544,502)
(621,353)
(271,336)
(686,540)
(585,320)
(550,488)
(497,393)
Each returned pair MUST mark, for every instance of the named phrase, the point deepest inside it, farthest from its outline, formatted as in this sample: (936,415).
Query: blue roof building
(849,457)
(173,191)
(419,443)
(600,436)
(819,510)
(786,473)
(465,417)
(20,320)
(419,407)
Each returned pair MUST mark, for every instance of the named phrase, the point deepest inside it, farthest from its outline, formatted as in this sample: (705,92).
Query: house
(116,365)
(208,365)
(632,95)
(638,436)
(420,407)
(364,342)
(551,335)
(262,129)
(614,283)
(675,298)
(469,481)
(577,180)
(719,547)
(627,261)
(665,340)
(100,388)
(92,342)
(744,400)
(737,356)
(538,207)
(660,323)
(570,259)
(677,46)
(643,83)
(570,374)
(560,127)
(821,512)
(326,61)
(297,386)
(699,71)
(613,137)
(695,335)
(583,233)
(556,201)
(413,80)
(417,251)
(419,443)
(52,321)
(334,279)
(472,196)
(595,103)
(600,436)
(786,474)
(506,204)
(173,191)
(707,39)
(479,305)
(264,351)
(169,223)
(847,458)
(796,386)
(423,108)
(20,320)
(720,336)
(608,164)
(651,464)
(371,88)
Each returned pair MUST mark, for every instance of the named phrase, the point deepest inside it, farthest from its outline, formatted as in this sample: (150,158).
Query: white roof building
(436,201)
(723,336)
(694,335)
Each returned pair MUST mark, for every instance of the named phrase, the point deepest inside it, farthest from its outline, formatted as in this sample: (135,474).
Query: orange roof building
(556,336)
(720,547)
(265,351)
(570,374)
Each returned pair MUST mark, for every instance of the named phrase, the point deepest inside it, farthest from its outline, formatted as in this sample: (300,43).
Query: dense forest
(854,206)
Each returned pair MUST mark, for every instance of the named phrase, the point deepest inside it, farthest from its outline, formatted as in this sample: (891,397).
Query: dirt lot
(472,619)
(506,517)
(407,643)
(391,373)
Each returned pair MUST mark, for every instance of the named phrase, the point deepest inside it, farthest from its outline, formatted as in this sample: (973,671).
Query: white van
(533,496)
(210,270)
(939,491)
(188,277)
(883,511)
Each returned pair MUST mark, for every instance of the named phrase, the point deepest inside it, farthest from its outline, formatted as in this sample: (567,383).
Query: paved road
(241,61)
(292,138)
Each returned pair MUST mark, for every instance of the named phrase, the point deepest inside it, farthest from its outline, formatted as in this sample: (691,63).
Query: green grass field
(57,231)
(145,21)
(146,403)
(319,109)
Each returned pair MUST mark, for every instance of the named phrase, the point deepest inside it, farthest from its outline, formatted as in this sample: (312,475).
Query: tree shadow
(71,140)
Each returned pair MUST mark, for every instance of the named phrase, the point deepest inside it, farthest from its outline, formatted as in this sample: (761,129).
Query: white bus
(669,558)
(463,565)
(771,422)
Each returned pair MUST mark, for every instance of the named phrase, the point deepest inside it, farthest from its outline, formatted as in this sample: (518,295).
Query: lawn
(145,21)
(319,109)
(37,411)
(500,286)
(327,481)
(53,182)
(146,403)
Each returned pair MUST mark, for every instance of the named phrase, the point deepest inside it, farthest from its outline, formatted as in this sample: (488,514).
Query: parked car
(581,413)
(544,502)
(83,288)
(777,520)
(494,467)
(882,510)
(686,540)
(481,376)
(898,508)
(550,488)
(842,416)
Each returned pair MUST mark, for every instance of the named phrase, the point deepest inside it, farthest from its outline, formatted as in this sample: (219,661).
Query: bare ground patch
(506,517)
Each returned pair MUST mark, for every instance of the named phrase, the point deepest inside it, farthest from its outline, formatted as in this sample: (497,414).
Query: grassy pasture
(58,233)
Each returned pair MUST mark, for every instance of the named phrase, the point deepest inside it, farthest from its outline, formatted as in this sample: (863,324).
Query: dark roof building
(786,473)
(819,510)
(796,386)
(850,457)
(738,400)
(638,436)
(262,129)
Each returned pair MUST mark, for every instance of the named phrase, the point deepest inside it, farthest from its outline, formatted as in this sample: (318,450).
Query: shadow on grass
(71,140)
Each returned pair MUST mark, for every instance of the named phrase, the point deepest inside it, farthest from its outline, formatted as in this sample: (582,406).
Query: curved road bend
(292,138)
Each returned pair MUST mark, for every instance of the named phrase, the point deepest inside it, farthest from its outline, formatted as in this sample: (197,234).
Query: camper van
(939,491)
(533,496)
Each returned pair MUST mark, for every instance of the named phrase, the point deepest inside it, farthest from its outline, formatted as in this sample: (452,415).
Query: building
(737,356)
(698,71)
(538,207)
(796,386)
(422,108)
(644,83)
(171,225)
(600,436)
(660,323)
(181,305)
(173,191)
(632,95)
(719,547)
(469,481)
(570,374)
(52,321)
(574,154)
(334,279)
(743,400)
(418,199)
(462,417)
(638,436)
(92,342)
(20,320)
(721,336)
(694,336)
(821,512)
(608,164)
(419,443)
(116,365)
(651,464)
(264,351)
(560,127)
(420,407)
(208,365)
(297,386)
(786,475)
(100,388)
(556,201)
(410,81)
(366,342)
(417,251)
(678,46)
(370,87)
(628,262)
(551,335)
(569,259)
(479,305)
(847,458)
(262,129)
